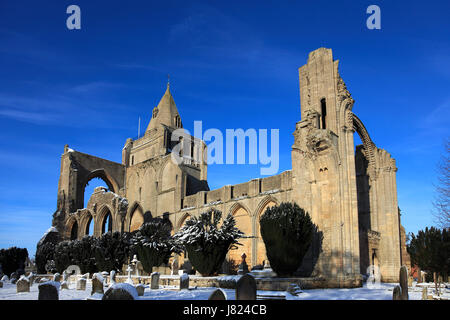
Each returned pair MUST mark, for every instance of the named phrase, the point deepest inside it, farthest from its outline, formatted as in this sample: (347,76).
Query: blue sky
(233,62)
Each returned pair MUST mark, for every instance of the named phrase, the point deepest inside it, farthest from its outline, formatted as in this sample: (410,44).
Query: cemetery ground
(383,292)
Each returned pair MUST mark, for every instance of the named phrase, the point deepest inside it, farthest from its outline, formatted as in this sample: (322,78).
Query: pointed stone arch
(132,221)
(260,247)
(102,215)
(182,220)
(71,228)
(102,174)
(243,218)
(86,218)
(359,127)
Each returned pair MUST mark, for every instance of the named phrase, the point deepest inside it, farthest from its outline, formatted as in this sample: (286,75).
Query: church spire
(166,113)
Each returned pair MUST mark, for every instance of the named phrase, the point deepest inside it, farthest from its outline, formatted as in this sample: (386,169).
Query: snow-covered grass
(384,292)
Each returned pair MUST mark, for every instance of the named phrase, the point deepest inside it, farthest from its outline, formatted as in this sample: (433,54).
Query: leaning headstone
(218,294)
(154,280)
(5,278)
(246,288)
(23,284)
(397,293)
(97,284)
(121,291)
(404,282)
(243,267)
(184,281)
(140,288)
(49,290)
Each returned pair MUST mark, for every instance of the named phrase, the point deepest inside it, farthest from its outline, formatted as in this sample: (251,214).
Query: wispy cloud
(96,87)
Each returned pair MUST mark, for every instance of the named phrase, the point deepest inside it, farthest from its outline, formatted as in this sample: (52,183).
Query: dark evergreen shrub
(63,255)
(44,253)
(13,259)
(154,244)
(83,254)
(430,250)
(287,231)
(111,251)
(45,249)
(206,243)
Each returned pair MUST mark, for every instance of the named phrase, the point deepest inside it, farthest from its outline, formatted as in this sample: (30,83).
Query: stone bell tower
(323,166)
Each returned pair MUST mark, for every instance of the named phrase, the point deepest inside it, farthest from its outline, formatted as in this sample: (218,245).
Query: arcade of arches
(350,194)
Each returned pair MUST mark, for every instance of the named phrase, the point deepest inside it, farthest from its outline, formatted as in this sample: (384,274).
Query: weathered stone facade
(351,196)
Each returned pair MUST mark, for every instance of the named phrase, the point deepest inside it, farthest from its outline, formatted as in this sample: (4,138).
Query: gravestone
(140,288)
(65,282)
(97,284)
(73,269)
(174,267)
(121,291)
(14,277)
(184,281)
(397,293)
(424,293)
(49,290)
(243,267)
(105,275)
(404,282)
(112,278)
(218,294)
(23,285)
(294,289)
(57,277)
(139,268)
(31,278)
(81,284)
(186,267)
(5,278)
(246,288)
(410,281)
(154,284)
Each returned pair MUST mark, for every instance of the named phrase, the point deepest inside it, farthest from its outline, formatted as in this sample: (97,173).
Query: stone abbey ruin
(350,194)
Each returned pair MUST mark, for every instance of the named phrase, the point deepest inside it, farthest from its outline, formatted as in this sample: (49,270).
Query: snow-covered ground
(384,292)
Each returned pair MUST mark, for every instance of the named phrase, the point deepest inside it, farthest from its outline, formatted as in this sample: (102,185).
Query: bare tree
(441,203)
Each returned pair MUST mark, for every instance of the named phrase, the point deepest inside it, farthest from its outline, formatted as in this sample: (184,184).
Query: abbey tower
(351,196)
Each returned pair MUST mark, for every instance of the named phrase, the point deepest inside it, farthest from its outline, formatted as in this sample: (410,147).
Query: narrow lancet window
(324,113)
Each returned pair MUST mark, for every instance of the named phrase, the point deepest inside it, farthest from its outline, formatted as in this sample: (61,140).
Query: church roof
(166,113)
